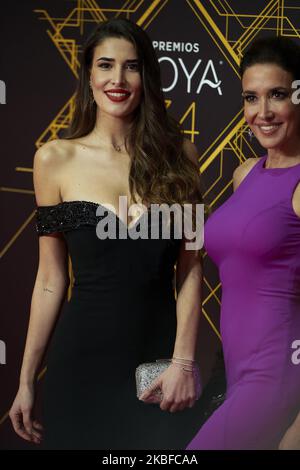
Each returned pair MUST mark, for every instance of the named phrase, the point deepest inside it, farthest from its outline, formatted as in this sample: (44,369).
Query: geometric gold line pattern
(17,234)
(214,328)
(24,169)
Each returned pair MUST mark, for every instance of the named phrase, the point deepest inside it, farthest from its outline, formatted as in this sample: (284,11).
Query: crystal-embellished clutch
(146,373)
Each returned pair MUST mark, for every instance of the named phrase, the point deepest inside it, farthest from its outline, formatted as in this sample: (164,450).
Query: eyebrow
(110,59)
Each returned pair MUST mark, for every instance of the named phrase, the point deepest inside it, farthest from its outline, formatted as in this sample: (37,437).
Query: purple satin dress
(254,238)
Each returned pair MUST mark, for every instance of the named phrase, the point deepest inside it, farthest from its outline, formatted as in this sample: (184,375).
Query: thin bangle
(182,368)
(182,359)
(189,366)
(183,365)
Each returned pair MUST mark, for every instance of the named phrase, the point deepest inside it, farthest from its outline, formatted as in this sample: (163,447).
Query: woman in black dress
(122,311)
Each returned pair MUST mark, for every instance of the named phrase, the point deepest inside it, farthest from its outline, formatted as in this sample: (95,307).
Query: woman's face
(115,77)
(269,111)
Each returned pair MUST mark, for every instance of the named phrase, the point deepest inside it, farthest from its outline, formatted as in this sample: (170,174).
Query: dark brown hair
(280,51)
(160,170)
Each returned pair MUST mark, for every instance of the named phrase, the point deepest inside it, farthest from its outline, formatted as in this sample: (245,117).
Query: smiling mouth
(117,95)
(268,129)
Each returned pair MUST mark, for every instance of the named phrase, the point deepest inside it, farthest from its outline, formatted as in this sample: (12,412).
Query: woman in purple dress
(254,238)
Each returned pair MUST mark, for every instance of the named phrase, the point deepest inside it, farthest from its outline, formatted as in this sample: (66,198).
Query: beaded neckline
(97,204)
(68,215)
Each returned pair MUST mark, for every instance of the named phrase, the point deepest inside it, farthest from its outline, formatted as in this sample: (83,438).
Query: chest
(257,220)
(102,180)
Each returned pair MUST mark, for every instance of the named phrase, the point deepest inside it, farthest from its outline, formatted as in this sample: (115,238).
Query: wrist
(184,358)
(187,365)
(26,382)
(26,388)
(184,354)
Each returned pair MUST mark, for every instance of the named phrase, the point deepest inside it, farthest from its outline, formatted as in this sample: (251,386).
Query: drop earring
(250,134)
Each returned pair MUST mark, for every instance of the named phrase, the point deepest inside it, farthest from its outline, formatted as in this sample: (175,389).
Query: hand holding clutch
(174,389)
(147,373)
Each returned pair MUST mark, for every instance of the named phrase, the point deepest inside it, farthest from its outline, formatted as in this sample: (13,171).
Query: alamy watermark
(296,93)
(2,92)
(2,352)
(158,221)
(296,354)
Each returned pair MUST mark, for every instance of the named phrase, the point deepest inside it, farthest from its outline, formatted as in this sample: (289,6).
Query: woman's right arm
(48,294)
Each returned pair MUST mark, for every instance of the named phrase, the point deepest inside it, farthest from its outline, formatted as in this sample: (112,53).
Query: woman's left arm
(188,306)
(179,386)
(188,288)
(182,392)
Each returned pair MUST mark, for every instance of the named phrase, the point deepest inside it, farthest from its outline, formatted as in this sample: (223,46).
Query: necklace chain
(116,147)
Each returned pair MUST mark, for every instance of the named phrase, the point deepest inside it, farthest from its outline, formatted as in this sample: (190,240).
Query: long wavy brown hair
(160,170)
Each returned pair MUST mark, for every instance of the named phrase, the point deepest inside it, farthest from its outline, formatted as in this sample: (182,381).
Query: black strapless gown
(122,313)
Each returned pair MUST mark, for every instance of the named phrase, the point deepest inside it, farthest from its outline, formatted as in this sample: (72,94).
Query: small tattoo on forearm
(48,290)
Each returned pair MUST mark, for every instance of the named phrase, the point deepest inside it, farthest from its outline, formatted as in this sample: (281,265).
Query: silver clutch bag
(146,373)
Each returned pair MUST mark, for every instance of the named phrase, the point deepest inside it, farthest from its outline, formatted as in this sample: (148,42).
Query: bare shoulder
(190,151)
(47,169)
(242,171)
(54,152)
